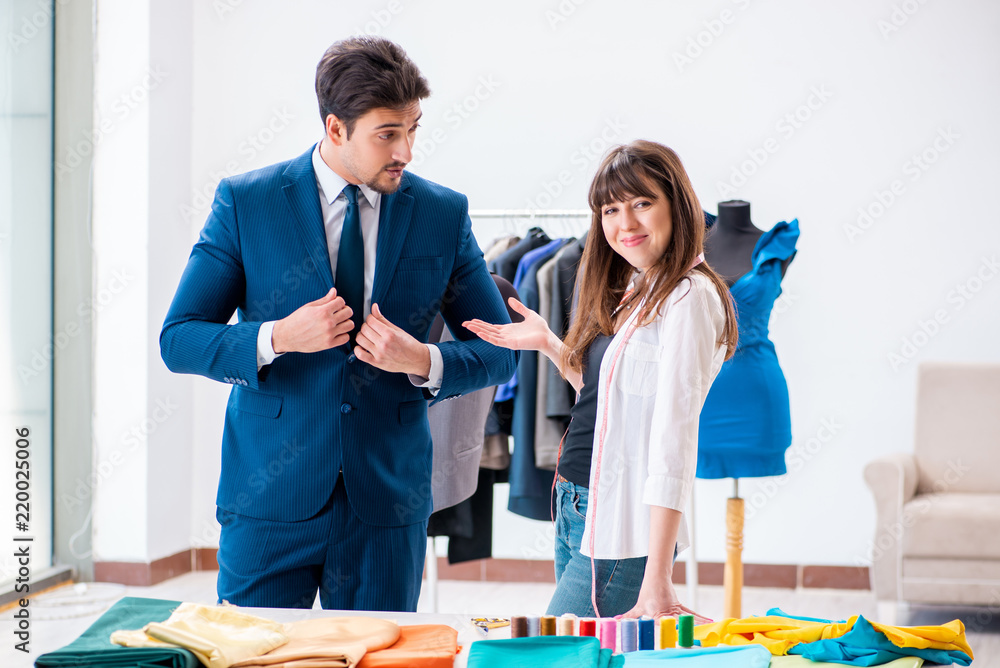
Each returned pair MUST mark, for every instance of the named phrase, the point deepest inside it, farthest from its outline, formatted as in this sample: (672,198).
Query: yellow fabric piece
(802,662)
(950,636)
(777,634)
(218,636)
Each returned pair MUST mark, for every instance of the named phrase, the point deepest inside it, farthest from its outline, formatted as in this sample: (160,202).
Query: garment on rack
(561,395)
(468,523)
(527,269)
(548,432)
(506,264)
(530,487)
(702,657)
(501,415)
(549,651)
(499,246)
(745,424)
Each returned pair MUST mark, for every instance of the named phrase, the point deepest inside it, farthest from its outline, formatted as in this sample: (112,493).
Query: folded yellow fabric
(327,642)
(950,636)
(218,635)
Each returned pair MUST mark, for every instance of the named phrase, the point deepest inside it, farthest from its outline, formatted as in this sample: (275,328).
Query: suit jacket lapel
(303,197)
(393,224)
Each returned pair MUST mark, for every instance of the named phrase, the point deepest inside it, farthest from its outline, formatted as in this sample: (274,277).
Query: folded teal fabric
(94,649)
(723,656)
(865,646)
(549,651)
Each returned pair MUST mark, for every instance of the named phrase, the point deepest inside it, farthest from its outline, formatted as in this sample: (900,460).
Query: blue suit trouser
(353,565)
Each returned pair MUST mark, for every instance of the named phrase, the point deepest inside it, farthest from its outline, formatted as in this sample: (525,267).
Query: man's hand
(319,325)
(389,348)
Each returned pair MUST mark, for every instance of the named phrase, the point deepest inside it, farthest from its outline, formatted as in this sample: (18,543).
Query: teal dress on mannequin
(745,424)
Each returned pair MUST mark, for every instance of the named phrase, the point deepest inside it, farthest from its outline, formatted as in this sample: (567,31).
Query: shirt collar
(331,183)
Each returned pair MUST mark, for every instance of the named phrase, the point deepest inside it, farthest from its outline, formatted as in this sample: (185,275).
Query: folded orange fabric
(419,646)
(327,642)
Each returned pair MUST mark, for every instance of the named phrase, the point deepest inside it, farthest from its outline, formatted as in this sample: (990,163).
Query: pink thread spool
(609,634)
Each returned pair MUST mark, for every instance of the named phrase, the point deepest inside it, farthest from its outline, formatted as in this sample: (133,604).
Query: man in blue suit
(336,264)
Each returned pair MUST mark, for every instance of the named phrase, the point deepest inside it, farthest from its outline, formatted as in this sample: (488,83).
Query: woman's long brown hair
(638,170)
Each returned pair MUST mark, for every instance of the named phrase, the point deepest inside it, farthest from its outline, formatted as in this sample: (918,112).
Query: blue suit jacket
(292,426)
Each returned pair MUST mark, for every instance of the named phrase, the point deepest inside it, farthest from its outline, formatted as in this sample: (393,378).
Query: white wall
(536,84)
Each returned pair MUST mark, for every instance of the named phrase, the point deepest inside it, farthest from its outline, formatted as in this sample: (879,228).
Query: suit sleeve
(469,362)
(196,337)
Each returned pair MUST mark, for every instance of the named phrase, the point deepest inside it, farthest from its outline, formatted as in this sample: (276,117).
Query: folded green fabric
(549,651)
(94,647)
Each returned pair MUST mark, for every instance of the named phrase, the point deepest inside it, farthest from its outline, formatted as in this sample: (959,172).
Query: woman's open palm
(531,334)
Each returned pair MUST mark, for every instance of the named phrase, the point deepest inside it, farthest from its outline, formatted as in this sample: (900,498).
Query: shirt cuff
(433,381)
(265,349)
(662,490)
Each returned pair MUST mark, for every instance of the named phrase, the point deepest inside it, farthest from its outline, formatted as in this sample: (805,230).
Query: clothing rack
(488,224)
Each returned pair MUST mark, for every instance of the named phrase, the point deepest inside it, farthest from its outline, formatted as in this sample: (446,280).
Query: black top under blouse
(574,465)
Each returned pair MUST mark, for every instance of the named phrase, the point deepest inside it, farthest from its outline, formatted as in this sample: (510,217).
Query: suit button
(243,382)
(346,408)
(351,358)
(228,379)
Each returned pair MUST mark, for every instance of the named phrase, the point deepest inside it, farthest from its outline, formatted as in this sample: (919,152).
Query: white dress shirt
(649,418)
(334,207)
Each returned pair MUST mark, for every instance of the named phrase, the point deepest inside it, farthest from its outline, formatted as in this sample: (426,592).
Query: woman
(653,326)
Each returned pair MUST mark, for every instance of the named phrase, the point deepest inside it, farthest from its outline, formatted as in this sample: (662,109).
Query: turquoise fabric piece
(549,651)
(94,649)
(749,656)
(864,646)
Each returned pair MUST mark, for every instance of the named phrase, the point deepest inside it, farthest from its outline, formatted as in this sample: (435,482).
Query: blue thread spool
(629,635)
(646,633)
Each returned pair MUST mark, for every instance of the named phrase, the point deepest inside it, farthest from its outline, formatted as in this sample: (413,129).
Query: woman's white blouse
(649,418)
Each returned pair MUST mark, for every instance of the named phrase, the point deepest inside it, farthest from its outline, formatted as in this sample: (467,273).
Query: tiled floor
(54,626)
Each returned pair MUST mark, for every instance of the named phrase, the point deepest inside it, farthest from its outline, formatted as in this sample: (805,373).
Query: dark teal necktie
(350,279)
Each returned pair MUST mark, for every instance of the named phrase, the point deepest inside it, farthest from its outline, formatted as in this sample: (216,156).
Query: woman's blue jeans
(618,580)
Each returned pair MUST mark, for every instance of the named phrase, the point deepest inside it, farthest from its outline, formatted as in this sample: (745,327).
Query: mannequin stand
(732,578)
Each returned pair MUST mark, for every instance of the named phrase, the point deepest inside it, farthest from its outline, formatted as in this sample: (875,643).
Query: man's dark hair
(359,74)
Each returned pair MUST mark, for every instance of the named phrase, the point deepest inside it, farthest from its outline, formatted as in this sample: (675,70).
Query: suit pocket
(258,403)
(411,412)
(419,264)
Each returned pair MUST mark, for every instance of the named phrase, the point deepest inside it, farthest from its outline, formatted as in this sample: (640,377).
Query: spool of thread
(548,625)
(588,627)
(630,635)
(646,628)
(609,634)
(685,630)
(533,625)
(668,633)
(565,625)
(518,627)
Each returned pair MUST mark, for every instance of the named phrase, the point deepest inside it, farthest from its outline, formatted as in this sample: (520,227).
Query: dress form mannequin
(729,243)
(729,247)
